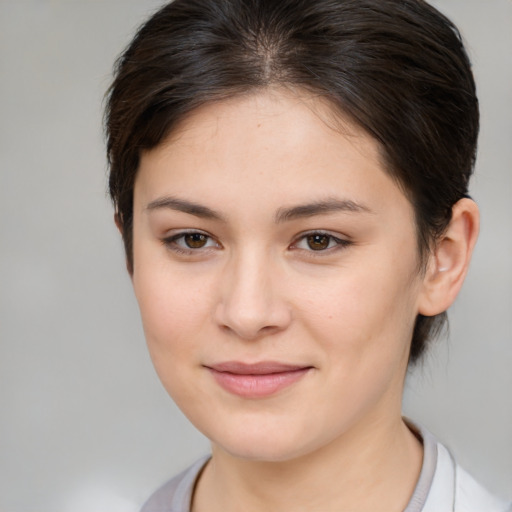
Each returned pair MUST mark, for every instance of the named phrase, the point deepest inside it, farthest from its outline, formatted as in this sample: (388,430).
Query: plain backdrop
(85,426)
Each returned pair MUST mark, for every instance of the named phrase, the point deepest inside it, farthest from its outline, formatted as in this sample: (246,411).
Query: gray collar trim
(428,468)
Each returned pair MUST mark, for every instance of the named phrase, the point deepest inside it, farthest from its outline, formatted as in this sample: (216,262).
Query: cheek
(173,317)
(371,309)
(172,308)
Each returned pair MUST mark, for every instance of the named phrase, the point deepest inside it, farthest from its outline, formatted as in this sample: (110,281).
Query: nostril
(257,324)
(248,333)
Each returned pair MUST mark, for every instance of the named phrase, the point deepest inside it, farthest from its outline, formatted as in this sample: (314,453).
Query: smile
(258,380)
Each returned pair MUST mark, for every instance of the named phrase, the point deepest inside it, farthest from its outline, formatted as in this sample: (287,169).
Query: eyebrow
(320,208)
(282,215)
(185,206)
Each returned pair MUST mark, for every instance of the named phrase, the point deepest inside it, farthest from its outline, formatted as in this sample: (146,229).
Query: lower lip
(257,386)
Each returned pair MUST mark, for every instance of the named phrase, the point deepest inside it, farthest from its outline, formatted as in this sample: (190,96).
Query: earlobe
(449,263)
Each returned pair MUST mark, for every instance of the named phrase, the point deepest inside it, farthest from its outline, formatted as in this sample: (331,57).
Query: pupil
(318,242)
(195,240)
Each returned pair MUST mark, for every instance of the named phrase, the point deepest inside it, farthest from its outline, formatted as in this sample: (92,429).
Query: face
(276,270)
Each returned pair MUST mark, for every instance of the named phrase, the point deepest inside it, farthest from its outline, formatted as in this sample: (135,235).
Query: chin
(276,444)
(260,451)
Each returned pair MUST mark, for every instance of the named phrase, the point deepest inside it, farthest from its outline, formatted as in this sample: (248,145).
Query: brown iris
(195,240)
(318,242)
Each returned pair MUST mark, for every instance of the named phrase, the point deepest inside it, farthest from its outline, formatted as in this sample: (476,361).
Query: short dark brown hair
(397,68)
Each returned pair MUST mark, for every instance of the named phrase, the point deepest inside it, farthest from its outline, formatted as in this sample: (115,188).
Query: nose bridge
(250,300)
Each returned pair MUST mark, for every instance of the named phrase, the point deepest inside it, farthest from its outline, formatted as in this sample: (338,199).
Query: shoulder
(443,486)
(453,489)
(176,494)
(471,496)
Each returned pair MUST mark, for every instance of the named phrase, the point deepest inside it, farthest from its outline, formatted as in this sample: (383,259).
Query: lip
(256,380)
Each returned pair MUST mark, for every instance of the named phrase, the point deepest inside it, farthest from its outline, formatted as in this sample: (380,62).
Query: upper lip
(260,368)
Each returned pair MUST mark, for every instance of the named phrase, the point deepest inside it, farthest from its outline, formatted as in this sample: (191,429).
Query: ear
(448,265)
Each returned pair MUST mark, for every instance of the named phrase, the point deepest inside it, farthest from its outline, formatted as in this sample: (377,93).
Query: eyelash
(171,242)
(334,243)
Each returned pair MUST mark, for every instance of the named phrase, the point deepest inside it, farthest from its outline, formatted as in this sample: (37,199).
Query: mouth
(257,380)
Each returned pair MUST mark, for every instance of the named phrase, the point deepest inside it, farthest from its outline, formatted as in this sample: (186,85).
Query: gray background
(84,424)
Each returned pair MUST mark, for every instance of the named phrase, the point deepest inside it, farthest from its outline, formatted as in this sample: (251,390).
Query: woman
(290,180)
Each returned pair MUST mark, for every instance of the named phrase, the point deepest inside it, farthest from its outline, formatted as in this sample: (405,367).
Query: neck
(372,467)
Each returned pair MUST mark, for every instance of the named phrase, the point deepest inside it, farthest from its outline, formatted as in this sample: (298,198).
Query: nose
(251,304)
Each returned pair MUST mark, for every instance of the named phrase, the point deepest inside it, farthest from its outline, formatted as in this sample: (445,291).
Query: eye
(195,240)
(319,241)
(190,241)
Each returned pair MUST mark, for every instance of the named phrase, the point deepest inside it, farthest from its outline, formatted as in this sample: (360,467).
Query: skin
(236,172)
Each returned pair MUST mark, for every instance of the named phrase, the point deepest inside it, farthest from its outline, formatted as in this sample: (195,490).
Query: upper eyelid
(172,238)
(336,236)
(176,233)
(342,239)
(302,234)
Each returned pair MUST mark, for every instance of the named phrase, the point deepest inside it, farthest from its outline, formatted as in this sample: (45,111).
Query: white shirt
(443,486)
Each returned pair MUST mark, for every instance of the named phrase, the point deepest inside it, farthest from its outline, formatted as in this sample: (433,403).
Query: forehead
(299,111)
(278,145)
